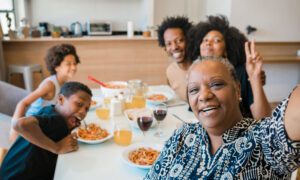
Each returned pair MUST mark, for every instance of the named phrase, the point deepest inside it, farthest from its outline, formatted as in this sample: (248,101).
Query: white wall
(276,20)
(64,12)
(281,79)
(164,8)
(214,7)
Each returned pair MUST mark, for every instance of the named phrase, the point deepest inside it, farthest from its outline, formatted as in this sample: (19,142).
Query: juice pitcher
(136,98)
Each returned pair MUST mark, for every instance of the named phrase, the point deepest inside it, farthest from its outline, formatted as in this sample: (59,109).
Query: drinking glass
(144,121)
(160,113)
(122,132)
(103,112)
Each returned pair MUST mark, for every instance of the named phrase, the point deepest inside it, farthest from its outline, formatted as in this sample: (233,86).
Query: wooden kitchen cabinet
(105,58)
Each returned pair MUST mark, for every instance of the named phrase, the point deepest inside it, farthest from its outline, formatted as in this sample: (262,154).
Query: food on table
(93,132)
(157,97)
(115,86)
(143,156)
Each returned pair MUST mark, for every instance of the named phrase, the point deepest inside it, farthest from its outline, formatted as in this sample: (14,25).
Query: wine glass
(144,120)
(160,113)
(122,132)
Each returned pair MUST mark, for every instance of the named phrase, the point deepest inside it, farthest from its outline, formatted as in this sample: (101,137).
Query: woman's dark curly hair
(181,22)
(56,55)
(234,39)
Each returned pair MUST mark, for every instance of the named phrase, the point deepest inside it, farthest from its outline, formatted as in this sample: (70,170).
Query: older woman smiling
(225,145)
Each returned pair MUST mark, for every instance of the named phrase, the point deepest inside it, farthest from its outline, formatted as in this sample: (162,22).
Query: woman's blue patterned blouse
(252,149)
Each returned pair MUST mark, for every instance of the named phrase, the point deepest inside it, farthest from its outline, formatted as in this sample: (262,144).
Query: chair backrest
(10,95)
(5,122)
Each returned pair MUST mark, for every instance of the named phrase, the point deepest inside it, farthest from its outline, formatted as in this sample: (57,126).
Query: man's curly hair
(56,55)
(181,22)
(234,39)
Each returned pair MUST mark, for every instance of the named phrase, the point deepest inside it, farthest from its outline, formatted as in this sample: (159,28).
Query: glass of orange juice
(122,132)
(135,102)
(103,112)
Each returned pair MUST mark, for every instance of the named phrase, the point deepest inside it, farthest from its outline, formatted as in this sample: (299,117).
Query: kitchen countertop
(82,38)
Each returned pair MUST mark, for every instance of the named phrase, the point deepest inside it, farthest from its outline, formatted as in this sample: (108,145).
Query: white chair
(27,69)
(10,96)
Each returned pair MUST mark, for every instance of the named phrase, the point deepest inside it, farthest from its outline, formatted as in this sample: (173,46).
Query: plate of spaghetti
(141,155)
(93,134)
(158,97)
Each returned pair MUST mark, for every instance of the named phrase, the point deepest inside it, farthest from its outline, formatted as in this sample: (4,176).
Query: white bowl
(114,91)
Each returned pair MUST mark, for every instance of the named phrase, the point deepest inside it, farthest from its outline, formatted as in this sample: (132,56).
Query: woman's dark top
(246,91)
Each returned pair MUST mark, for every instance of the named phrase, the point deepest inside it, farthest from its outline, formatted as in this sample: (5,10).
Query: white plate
(106,126)
(98,101)
(134,122)
(132,147)
(168,95)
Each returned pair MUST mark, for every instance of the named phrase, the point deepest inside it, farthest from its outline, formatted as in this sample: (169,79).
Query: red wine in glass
(160,114)
(144,122)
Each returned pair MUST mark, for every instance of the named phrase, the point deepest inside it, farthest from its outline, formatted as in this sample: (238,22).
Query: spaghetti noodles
(94,132)
(157,97)
(143,156)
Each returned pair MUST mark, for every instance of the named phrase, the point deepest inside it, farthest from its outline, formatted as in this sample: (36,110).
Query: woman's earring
(240,99)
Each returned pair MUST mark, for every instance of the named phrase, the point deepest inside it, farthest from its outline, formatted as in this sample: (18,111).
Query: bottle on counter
(115,107)
(24,27)
(130,29)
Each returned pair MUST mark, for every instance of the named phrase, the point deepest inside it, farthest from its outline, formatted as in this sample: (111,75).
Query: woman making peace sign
(215,37)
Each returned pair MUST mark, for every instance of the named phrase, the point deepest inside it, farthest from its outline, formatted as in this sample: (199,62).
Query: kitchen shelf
(82,38)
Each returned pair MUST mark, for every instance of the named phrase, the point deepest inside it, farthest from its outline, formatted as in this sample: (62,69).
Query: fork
(86,127)
(179,118)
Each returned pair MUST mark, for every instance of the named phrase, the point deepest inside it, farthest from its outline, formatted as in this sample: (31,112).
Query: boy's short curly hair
(56,55)
(70,88)
(234,39)
(181,22)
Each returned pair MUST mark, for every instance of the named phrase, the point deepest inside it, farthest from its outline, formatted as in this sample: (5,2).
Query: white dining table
(104,160)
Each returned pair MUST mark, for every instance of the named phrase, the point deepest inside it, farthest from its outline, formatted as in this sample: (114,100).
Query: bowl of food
(141,155)
(158,97)
(94,133)
(113,88)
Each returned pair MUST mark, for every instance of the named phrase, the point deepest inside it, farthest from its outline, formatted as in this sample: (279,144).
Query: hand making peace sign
(253,61)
